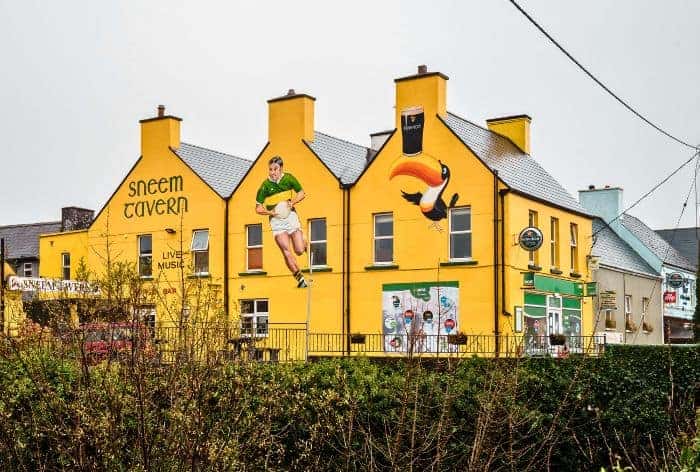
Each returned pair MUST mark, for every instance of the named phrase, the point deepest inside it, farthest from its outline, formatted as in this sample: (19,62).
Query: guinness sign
(530,238)
(675,280)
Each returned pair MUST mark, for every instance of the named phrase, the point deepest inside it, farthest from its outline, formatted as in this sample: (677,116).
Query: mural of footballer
(277,197)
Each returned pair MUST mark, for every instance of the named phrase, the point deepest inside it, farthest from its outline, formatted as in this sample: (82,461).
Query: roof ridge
(670,248)
(31,224)
(214,150)
(341,139)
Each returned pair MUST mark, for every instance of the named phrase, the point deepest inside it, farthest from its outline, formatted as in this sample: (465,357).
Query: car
(104,341)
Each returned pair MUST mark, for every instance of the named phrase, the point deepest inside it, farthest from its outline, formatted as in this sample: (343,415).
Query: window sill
(534,267)
(203,275)
(142,277)
(318,269)
(459,263)
(382,267)
(252,272)
(574,275)
(555,271)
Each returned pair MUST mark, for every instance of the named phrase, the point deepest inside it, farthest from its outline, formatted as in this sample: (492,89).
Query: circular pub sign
(530,238)
(675,280)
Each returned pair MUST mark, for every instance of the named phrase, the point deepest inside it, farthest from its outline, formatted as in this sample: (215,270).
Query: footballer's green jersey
(271,193)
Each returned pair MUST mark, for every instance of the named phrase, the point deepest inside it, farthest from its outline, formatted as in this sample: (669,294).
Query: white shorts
(288,225)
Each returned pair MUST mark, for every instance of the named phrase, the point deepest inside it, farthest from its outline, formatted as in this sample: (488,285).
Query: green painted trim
(409,286)
(535,311)
(318,269)
(591,289)
(458,263)
(570,312)
(248,274)
(535,299)
(545,283)
(574,303)
(381,267)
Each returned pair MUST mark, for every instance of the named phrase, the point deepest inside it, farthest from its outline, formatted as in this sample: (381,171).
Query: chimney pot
(291,92)
(422,69)
(161,111)
(591,187)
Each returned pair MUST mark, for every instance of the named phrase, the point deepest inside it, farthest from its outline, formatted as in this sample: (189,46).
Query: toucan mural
(415,163)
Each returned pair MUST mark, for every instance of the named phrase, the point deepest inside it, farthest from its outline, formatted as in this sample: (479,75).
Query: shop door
(554,315)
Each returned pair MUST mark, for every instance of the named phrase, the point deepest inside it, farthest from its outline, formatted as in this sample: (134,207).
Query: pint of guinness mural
(417,164)
(419,317)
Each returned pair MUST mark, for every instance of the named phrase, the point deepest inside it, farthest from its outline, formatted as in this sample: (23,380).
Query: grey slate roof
(517,169)
(22,241)
(684,240)
(614,252)
(655,243)
(221,171)
(346,160)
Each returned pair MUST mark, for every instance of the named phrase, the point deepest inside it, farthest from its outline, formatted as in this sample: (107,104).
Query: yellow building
(413,242)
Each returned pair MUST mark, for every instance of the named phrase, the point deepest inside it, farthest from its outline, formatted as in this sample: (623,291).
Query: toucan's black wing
(453,200)
(412,197)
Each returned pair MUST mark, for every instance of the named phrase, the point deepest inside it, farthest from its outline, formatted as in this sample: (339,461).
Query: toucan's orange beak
(424,168)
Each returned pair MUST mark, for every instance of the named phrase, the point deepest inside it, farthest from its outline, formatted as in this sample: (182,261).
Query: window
(318,243)
(146,314)
(573,243)
(610,322)
(145,255)
(645,306)
(200,251)
(554,242)
(254,317)
(532,222)
(460,234)
(27,269)
(383,238)
(65,265)
(629,324)
(254,259)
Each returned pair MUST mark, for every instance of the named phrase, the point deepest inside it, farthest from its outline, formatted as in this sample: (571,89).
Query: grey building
(683,240)
(632,312)
(22,241)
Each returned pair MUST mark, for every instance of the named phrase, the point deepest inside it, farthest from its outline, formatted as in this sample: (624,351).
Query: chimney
(424,92)
(74,218)
(603,202)
(516,128)
(159,133)
(378,139)
(291,117)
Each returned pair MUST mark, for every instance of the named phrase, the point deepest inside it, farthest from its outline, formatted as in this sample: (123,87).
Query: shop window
(318,242)
(532,222)
(200,251)
(383,238)
(460,234)
(255,314)
(27,269)
(254,260)
(554,242)
(573,245)
(65,265)
(145,255)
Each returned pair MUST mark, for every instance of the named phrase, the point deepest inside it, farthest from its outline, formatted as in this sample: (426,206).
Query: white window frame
(31,269)
(628,311)
(313,242)
(142,255)
(65,266)
(375,238)
(573,246)
(532,220)
(554,242)
(451,232)
(257,246)
(201,251)
(255,318)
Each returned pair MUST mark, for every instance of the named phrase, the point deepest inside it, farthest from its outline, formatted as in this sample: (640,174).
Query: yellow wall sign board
(424,209)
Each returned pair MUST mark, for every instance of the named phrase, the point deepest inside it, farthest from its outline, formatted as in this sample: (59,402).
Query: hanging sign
(530,238)
(669,297)
(675,280)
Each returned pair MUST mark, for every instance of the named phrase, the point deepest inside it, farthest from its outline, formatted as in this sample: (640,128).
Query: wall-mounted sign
(166,204)
(37,284)
(675,280)
(591,289)
(669,297)
(530,238)
(608,300)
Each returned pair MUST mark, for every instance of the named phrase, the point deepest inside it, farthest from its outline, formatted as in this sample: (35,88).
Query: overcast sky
(77,77)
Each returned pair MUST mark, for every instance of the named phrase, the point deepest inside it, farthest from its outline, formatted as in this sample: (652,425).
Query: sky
(77,76)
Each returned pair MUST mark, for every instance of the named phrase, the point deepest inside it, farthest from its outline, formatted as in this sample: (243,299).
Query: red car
(113,340)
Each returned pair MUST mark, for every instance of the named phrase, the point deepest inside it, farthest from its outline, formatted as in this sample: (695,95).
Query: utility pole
(2,285)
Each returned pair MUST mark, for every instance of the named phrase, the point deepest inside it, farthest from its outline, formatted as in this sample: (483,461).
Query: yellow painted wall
(291,120)
(53,245)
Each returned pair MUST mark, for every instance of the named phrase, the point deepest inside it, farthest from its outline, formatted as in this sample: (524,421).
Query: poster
(419,316)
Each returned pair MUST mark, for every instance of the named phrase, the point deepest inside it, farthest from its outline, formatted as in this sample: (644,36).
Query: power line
(597,81)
